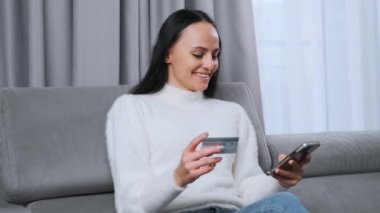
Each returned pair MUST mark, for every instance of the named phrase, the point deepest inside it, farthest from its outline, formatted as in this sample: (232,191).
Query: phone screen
(298,154)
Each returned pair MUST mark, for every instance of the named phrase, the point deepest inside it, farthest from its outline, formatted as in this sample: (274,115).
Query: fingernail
(276,171)
(221,147)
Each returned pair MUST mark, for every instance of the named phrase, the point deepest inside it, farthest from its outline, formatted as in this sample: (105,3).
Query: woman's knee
(283,202)
(290,202)
(288,197)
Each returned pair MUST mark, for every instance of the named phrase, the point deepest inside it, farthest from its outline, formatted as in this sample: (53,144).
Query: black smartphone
(298,154)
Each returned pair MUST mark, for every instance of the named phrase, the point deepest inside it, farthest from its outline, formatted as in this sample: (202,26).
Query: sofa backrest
(239,92)
(52,140)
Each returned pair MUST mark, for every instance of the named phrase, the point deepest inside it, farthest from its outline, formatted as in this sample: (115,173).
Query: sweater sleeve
(137,189)
(251,182)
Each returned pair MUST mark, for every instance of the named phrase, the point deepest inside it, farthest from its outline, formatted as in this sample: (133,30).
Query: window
(319,64)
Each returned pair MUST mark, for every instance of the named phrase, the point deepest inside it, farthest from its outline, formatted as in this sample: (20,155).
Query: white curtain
(319,63)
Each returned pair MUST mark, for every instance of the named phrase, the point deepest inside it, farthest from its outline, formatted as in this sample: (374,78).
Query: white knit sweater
(146,135)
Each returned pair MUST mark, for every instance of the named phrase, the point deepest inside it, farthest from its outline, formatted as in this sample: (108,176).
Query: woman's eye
(197,55)
(215,57)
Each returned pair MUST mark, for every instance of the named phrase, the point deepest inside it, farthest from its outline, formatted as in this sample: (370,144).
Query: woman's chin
(201,87)
(198,85)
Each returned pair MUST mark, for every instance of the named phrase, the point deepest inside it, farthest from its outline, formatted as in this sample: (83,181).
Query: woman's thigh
(283,202)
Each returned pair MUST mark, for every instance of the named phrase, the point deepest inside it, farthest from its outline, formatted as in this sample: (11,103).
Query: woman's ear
(168,57)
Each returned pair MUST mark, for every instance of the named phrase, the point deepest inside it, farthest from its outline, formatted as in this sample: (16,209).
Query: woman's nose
(208,62)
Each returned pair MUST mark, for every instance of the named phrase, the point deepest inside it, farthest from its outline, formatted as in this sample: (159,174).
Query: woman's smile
(203,76)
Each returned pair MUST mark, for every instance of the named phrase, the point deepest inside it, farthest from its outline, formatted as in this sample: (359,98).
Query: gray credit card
(229,144)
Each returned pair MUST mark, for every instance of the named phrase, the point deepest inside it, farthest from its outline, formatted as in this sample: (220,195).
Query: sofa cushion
(102,203)
(12,208)
(339,153)
(52,142)
(341,193)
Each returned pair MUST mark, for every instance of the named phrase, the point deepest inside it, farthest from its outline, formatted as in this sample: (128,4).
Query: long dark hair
(170,31)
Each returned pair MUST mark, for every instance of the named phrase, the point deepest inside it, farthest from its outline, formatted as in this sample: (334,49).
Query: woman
(153,134)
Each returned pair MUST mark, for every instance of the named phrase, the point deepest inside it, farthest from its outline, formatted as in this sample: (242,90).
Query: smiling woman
(193,60)
(154,134)
(201,45)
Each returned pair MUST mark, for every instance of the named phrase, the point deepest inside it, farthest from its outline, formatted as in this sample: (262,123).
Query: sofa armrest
(340,152)
(13,208)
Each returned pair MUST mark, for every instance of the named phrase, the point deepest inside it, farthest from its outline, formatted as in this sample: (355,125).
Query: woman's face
(193,59)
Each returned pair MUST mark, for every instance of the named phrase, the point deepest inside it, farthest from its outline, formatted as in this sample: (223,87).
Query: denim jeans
(283,202)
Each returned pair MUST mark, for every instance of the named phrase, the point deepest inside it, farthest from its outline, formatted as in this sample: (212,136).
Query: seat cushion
(102,203)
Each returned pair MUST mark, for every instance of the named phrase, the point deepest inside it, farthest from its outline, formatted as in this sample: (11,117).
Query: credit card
(229,144)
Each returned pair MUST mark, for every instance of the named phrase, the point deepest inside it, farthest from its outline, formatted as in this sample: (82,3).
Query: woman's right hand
(195,163)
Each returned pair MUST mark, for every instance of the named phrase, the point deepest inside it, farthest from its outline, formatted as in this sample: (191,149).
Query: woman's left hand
(288,178)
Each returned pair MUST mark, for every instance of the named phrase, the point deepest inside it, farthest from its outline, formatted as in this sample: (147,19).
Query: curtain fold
(57,43)
(239,55)
(35,43)
(96,42)
(140,22)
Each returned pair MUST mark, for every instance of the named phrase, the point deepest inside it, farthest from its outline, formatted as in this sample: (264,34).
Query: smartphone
(298,154)
(229,144)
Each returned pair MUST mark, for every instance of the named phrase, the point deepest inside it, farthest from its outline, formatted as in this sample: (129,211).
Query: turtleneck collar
(179,97)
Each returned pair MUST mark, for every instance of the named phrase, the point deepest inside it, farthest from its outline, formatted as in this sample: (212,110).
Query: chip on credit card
(229,144)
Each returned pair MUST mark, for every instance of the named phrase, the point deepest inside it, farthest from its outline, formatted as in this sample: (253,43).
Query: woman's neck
(180,97)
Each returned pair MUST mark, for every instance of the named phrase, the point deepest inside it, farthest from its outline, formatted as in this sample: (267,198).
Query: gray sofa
(53,154)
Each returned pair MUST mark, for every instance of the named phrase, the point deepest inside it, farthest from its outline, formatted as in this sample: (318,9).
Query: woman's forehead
(200,34)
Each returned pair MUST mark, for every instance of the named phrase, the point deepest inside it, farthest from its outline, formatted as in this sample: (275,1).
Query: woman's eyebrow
(200,47)
(205,49)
